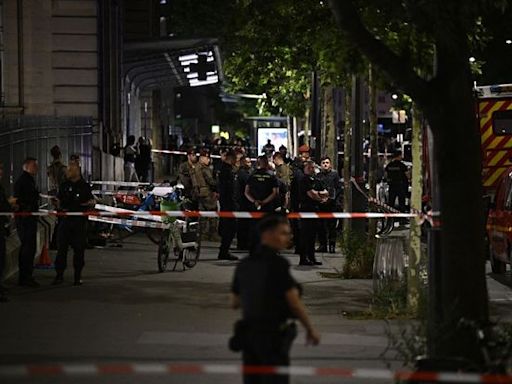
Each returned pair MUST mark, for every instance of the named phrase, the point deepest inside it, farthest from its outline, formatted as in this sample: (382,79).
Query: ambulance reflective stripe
(491,180)
(486,121)
(496,149)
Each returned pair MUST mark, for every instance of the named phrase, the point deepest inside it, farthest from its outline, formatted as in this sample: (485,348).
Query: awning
(172,62)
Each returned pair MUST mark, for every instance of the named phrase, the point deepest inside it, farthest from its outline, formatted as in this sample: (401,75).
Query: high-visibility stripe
(486,122)
(496,158)
(493,107)
(491,180)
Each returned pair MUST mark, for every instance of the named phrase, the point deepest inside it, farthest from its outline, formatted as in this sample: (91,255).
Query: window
(502,122)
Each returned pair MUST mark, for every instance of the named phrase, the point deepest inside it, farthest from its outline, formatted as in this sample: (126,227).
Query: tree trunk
(329,143)
(451,115)
(413,278)
(347,145)
(447,101)
(374,146)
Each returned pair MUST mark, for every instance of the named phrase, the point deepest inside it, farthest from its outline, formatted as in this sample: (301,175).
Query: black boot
(227,256)
(305,262)
(332,247)
(314,261)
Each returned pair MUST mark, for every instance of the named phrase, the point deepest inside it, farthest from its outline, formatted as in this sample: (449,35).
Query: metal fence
(34,136)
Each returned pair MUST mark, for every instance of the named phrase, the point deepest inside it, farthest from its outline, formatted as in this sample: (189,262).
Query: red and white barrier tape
(120,183)
(221,214)
(163,369)
(128,222)
(169,152)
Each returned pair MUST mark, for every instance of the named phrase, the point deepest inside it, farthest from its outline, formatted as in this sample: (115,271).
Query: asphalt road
(128,312)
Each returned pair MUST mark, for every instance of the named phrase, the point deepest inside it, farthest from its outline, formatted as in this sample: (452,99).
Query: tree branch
(349,20)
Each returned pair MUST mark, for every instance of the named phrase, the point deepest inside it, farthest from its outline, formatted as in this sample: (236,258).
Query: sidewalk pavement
(127,311)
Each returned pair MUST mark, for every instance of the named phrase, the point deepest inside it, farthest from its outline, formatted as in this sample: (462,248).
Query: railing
(34,136)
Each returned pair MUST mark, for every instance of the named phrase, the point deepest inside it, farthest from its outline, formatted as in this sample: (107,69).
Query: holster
(244,332)
(238,340)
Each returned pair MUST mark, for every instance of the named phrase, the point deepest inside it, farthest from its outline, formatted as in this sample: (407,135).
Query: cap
(304,148)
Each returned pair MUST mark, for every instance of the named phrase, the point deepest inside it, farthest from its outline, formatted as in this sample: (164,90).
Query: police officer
(243,225)
(312,194)
(269,149)
(203,183)
(184,173)
(204,190)
(130,155)
(396,175)
(283,172)
(331,182)
(262,188)
(227,200)
(296,176)
(5,206)
(74,196)
(270,300)
(56,171)
(284,153)
(26,195)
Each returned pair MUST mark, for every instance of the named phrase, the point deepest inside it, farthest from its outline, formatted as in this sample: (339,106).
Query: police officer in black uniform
(26,196)
(297,174)
(227,201)
(330,180)
(262,189)
(396,175)
(5,206)
(270,300)
(243,226)
(312,194)
(74,195)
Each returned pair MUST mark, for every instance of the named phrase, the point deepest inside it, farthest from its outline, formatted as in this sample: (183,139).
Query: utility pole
(358,200)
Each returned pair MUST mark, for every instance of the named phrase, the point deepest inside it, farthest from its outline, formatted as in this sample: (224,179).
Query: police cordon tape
(165,369)
(213,214)
(169,152)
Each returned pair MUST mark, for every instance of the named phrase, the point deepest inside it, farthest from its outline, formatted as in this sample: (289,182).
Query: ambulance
(494,109)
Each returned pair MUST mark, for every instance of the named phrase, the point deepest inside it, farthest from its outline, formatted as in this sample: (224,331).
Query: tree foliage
(271,47)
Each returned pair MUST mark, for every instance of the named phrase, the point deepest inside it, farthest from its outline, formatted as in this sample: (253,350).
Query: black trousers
(72,233)
(242,233)
(400,194)
(26,227)
(295,224)
(308,229)
(227,232)
(266,348)
(327,227)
